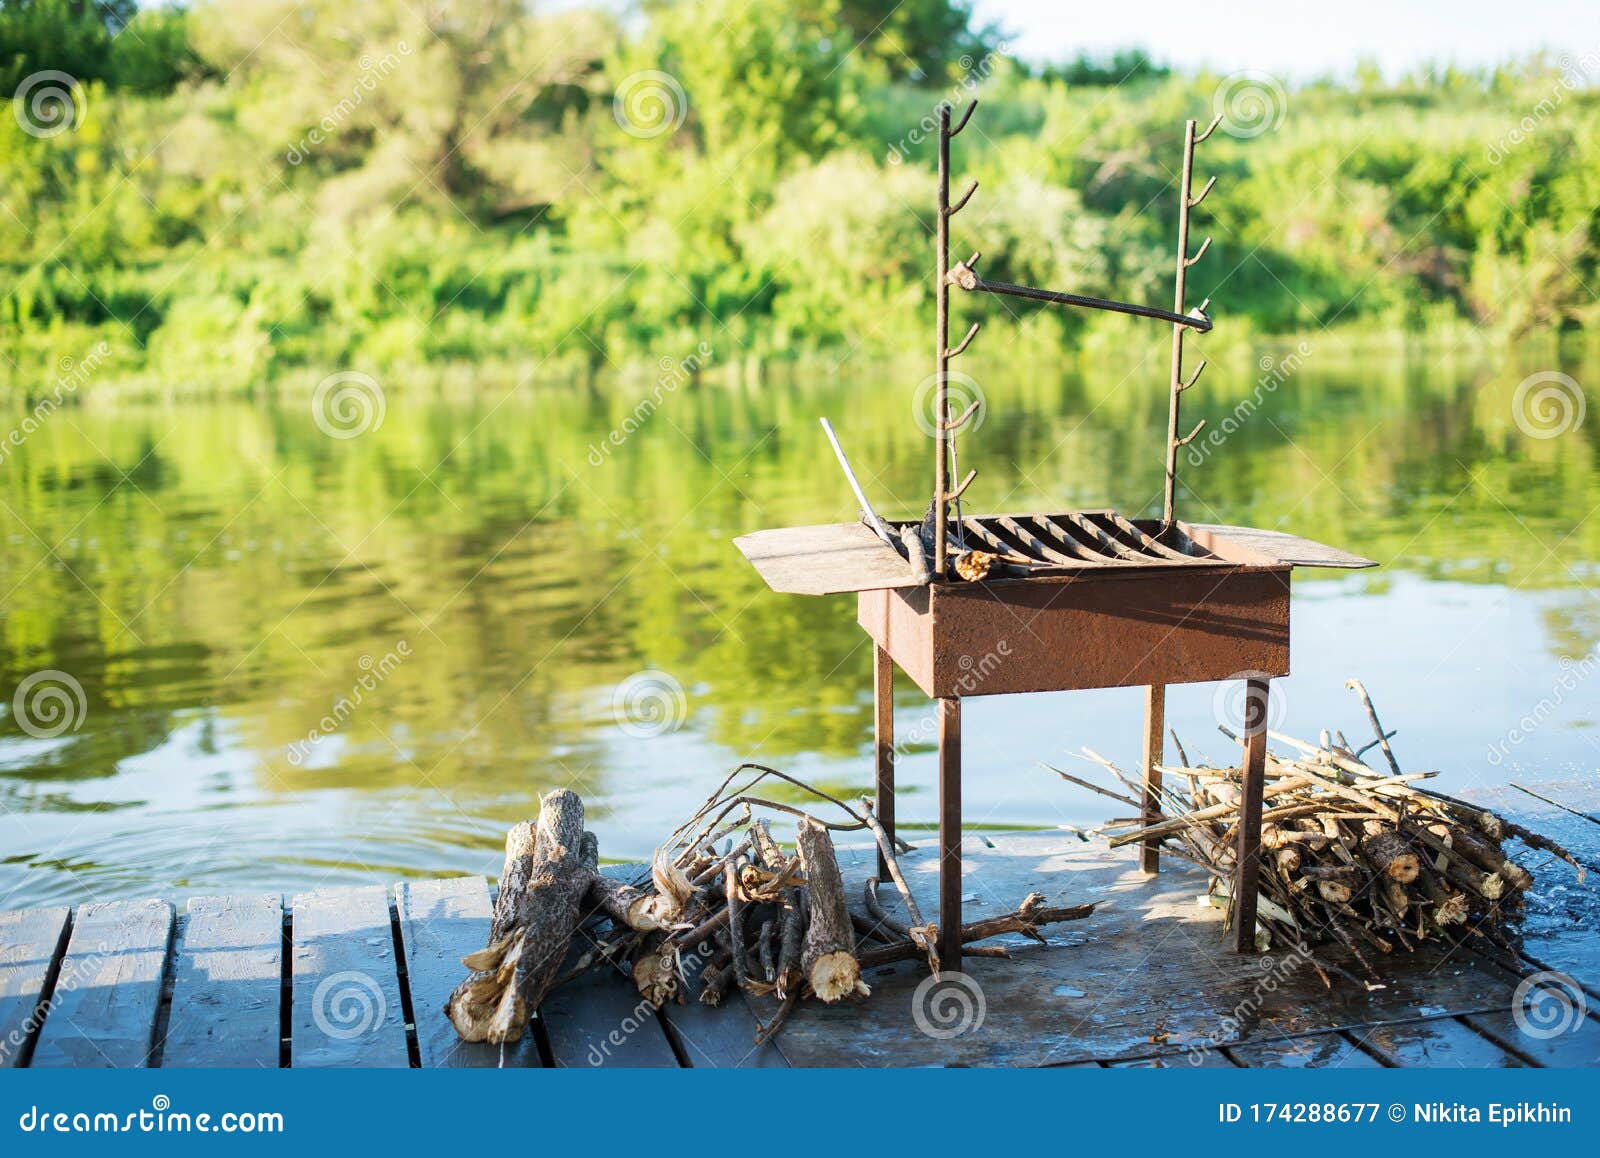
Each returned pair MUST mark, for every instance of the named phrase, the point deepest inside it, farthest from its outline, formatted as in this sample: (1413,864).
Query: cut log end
(836,976)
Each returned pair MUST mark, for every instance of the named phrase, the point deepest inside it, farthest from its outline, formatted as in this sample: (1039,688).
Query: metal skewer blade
(868,515)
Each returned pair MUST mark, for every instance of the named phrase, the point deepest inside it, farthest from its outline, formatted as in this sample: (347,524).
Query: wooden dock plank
(102,1013)
(1435,1043)
(1318,1051)
(1578,1046)
(723,1036)
(227,992)
(598,1019)
(441,922)
(31,944)
(346,1005)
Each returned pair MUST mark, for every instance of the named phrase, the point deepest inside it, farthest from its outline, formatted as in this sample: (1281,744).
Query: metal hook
(1211,128)
(965,342)
(1199,253)
(1193,201)
(966,415)
(1193,378)
(962,203)
(965,117)
(960,490)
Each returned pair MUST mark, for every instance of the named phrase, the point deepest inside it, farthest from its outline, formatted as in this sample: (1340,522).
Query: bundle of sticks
(726,906)
(1369,860)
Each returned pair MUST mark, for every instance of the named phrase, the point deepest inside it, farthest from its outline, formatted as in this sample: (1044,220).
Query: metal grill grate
(1078,540)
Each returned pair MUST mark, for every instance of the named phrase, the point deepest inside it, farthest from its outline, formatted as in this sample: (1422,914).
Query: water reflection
(224,583)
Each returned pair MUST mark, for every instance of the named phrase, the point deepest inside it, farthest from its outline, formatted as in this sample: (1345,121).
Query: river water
(240,652)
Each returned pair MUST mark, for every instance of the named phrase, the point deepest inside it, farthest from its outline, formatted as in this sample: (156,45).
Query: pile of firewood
(726,905)
(1350,855)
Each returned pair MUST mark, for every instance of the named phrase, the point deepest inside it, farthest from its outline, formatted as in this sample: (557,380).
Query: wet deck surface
(358,977)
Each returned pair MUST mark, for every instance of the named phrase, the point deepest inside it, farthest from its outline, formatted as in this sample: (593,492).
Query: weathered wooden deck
(358,977)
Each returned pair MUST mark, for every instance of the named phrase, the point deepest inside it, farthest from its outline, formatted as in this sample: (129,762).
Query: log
(828,958)
(1335,892)
(539,909)
(1449,906)
(791,943)
(636,908)
(1390,853)
(1486,855)
(655,972)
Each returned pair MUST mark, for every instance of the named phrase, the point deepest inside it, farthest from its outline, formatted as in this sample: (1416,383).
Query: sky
(1297,40)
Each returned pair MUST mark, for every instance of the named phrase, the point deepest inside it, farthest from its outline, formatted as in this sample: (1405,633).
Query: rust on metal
(1094,630)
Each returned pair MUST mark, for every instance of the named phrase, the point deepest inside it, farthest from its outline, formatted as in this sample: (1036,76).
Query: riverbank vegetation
(271,191)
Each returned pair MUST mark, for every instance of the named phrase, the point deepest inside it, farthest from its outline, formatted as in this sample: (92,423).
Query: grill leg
(950,833)
(1155,726)
(883,702)
(1248,871)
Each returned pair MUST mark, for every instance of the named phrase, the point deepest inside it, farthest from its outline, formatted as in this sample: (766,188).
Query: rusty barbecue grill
(968,605)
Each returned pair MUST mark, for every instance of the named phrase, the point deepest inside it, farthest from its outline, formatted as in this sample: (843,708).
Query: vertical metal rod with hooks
(1186,202)
(941,397)
(1180,285)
